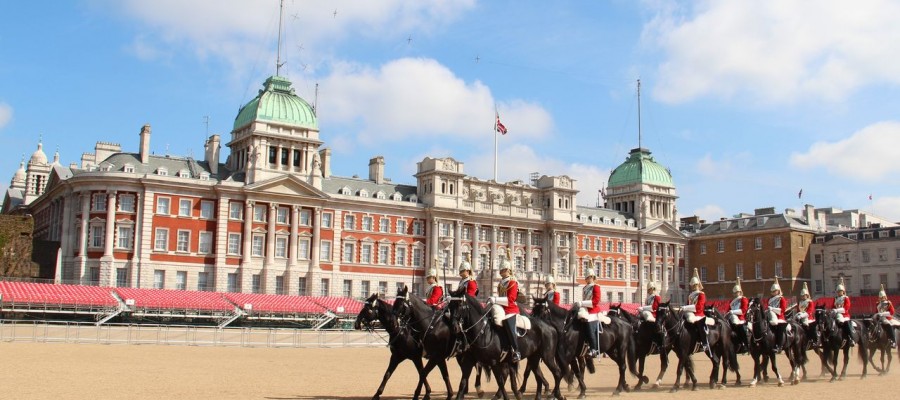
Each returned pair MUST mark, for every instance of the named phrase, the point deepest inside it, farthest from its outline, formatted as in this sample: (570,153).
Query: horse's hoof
(616,393)
(673,390)
(753,383)
(780,383)
(832,380)
(582,396)
(694,389)
(655,385)
(571,387)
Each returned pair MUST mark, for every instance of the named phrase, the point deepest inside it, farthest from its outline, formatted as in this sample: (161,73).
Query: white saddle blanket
(500,316)
(694,318)
(601,316)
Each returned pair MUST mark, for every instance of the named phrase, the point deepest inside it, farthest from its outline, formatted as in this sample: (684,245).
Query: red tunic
(811,311)
(846,307)
(471,287)
(700,305)
(436,293)
(890,309)
(512,293)
(745,305)
(654,306)
(595,300)
(553,296)
(782,304)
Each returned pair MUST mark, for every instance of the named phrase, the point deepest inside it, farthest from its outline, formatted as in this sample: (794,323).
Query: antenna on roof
(206,121)
(639,111)
(278,63)
(316,99)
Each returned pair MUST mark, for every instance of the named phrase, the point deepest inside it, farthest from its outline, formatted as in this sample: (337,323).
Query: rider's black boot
(594,330)
(848,332)
(779,336)
(510,324)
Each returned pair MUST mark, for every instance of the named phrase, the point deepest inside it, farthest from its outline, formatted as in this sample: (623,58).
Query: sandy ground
(80,371)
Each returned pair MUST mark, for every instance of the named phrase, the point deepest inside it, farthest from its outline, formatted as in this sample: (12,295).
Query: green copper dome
(277,102)
(640,168)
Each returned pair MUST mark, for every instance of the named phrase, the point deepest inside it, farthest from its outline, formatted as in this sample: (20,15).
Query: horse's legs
(500,373)
(446,375)
(392,365)
(533,363)
(689,366)
(846,361)
(640,361)
(714,375)
(773,358)
(528,368)
(620,362)
(478,371)
(678,371)
(423,376)
(465,367)
(663,366)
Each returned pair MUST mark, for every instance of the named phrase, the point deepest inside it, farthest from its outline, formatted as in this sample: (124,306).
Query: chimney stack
(325,156)
(145,144)
(213,148)
(376,170)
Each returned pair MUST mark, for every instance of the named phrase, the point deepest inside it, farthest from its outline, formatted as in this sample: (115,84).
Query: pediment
(663,228)
(289,185)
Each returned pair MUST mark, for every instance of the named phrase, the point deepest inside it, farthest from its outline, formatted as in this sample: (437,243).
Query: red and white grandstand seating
(339,305)
(273,303)
(56,295)
(175,299)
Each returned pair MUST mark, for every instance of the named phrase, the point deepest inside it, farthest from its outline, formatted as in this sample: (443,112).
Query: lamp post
(446,242)
(563,252)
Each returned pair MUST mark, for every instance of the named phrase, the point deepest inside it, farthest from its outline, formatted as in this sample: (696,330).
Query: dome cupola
(277,102)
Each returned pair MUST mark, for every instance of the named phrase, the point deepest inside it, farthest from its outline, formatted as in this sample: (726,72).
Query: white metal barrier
(184,335)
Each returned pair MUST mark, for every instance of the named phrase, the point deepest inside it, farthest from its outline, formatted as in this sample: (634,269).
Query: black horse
(428,327)
(685,341)
(649,339)
(616,340)
(568,352)
(834,342)
(403,346)
(762,345)
(879,338)
(486,345)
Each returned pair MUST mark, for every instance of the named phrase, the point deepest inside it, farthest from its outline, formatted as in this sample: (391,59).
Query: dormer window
(380,195)
(128,168)
(162,171)
(413,199)
(363,193)
(397,196)
(204,176)
(184,174)
(345,191)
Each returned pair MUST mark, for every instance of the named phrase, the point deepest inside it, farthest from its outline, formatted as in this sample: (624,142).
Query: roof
(640,167)
(754,223)
(172,164)
(334,185)
(603,214)
(277,102)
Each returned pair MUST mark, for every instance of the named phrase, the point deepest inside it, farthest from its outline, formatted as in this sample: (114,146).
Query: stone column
(246,239)
(315,244)
(573,260)
(138,239)
(270,235)
(529,263)
(82,246)
(295,223)
(107,264)
(476,249)
(434,240)
(219,272)
(457,246)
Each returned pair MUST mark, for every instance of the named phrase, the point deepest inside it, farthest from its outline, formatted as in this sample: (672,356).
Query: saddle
(583,314)
(523,323)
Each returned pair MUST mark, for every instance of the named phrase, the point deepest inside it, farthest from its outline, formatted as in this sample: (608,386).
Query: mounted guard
(806,316)
(435,294)
(651,304)
(842,311)
(737,313)
(467,284)
(885,315)
(590,310)
(551,293)
(777,305)
(694,313)
(505,308)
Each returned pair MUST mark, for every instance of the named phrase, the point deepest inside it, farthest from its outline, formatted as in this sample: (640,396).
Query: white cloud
(709,212)
(420,98)
(6,114)
(774,51)
(517,162)
(868,154)
(887,207)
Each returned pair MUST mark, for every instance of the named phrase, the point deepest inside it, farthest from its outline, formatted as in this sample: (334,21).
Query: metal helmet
(737,286)
(432,273)
(652,285)
(695,280)
(550,281)
(506,264)
(882,293)
(590,273)
(805,290)
(466,265)
(775,286)
(840,286)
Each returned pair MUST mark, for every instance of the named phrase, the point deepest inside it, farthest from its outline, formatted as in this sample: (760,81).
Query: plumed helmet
(432,273)
(466,265)
(652,286)
(590,271)
(840,286)
(775,286)
(695,280)
(805,290)
(506,264)
(737,286)
(550,281)
(882,293)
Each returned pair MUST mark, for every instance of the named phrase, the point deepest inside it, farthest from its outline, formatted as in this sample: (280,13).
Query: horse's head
(464,311)
(541,308)
(369,314)
(825,320)
(401,304)
(615,309)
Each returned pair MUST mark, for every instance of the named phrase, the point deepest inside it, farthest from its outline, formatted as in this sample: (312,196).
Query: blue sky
(746,102)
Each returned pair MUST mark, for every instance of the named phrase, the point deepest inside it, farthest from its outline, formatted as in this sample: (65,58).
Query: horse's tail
(863,350)
(730,351)
(631,357)
(487,373)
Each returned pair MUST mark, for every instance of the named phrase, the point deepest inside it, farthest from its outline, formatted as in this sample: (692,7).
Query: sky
(747,103)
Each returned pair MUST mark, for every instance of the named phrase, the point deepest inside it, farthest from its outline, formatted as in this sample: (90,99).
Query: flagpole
(496,117)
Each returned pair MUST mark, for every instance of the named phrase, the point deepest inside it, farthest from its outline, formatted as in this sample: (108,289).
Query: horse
(568,352)
(685,341)
(616,340)
(428,327)
(403,346)
(880,339)
(833,342)
(727,346)
(486,345)
(649,338)
(762,345)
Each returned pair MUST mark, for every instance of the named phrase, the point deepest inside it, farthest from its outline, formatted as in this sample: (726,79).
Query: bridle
(458,316)
(755,316)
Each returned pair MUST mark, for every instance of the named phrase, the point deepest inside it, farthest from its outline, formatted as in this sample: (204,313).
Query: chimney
(809,212)
(145,144)
(325,156)
(212,153)
(376,170)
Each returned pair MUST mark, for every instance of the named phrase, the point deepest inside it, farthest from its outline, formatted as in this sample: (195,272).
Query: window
(129,169)
(235,210)
(159,279)
(126,203)
(609,270)
(304,218)
(301,286)
(778,270)
(279,284)
(325,250)
(184,207)
(303,249)
(633,272)
(401,227)
(758,268)
(121,277)
(777,240)
(418,228)
(259,213)
(162,205)
(867,281)
(364,289)
(347,288)
(703,274)
(817,258)
(205,246)
(326,220)
(702,248)
(255,283)
(256,246)
(350,221)
(184,241)
(181,280)
(365,253)
(98,236)
(865,256)
(349,249)
(125,235)
(203,281)
(325,283)
(882,279)
(281,215)
(817,284)
(721,273)
(536,239)
(417,256)
(720,246)
(184,173)
(739,270)
(162,171)
(161,240)
(233,283)
(620,247)
(95,275)
(382,287)
(739,245)
(620,271)
(207,209)
(400,256)
(757,243)
(384,225)
(98,202)
(367,224)
(204,176)
(281,247)
(234,244)
(384,252)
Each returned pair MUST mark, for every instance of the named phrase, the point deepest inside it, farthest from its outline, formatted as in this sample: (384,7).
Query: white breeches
(735,320)
(691,317)
(803,318)
(774,320)
(841,318)
(500,315)
(647,316)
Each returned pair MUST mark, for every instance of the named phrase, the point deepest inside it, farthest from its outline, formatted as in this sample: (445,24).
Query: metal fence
(183,335)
